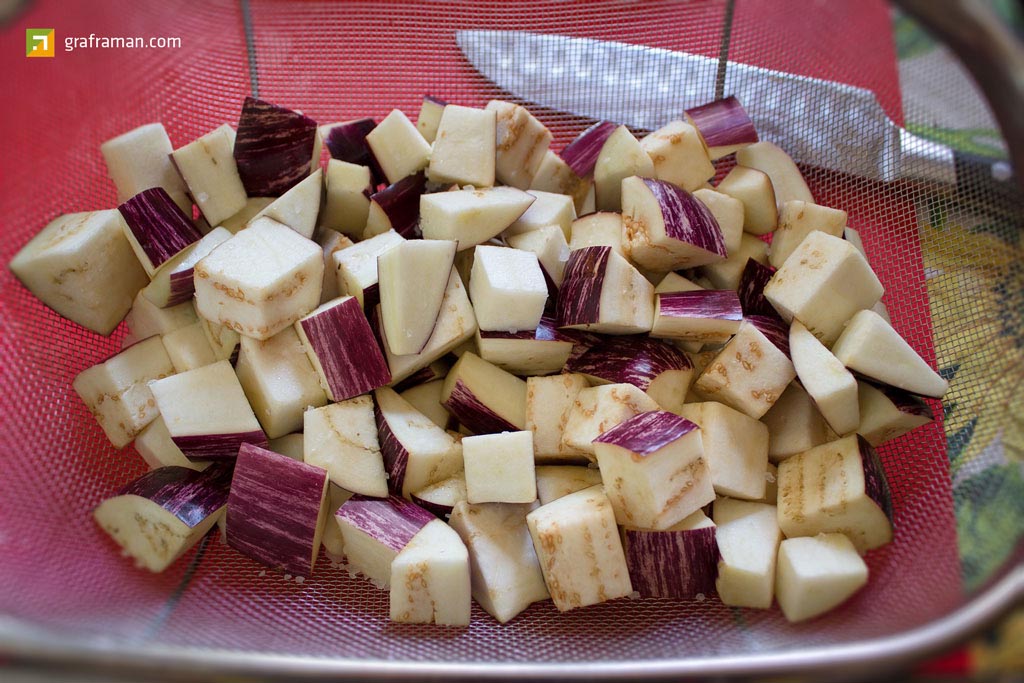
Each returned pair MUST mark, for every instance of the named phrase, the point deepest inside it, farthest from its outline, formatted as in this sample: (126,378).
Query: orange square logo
(39,42)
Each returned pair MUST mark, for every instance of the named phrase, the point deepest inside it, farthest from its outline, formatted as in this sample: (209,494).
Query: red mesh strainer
(67,596)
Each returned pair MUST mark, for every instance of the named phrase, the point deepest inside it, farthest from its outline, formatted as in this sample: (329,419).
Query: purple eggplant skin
(473,414)
(273,148)
(547,331)
(400,202)
(431,98)
(189,495)
(395,454)
(636,360)
(183,286)
(579,302)
(751,290)
(217,446)
(905,402)
(648,432)
(581,154)
(161,228)
(348,352)
(392,521)
(686,218)
(723,122)
(347,142)
(422,376)
(719,304)
(876,484)
(274,509)
(582,341)
(672,564)
(439,510)
(774,329)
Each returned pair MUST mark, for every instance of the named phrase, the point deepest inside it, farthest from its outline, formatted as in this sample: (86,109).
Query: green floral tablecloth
(984,361)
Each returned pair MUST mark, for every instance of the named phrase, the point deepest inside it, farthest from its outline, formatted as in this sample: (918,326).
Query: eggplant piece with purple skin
(276,510)
(581,154)
(158,517)
(602,292)
(157,228)
(397,207)
(700,315)
(376,530)
(442,497)
(483,397)
(273,147)
(173,283)
(542,351)
(346,141)
(659,369)
(680,562)
(724,125)
(887,412)
(342,348)
(753,279)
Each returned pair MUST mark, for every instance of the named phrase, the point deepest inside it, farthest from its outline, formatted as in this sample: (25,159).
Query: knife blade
(822,123)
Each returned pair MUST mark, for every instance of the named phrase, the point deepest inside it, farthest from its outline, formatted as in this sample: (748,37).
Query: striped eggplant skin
(719,304)
(189,495)
(636,360)
(158,224)
(396,456)
(876,484)
(547,330)
(392,521)
(672,564)
(905,402)
(581,154)
(774,329)
(217,446)
(723,123)
(400,202)
(345,345)
(686,218)
(435,100)
(648,432)
(273,148)
(473,414)
(579,301)
(275,509)
(347,142)
(751,289)
(182,287)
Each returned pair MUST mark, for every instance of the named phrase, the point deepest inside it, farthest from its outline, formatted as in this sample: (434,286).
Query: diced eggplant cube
(840,487)
(188,348)
(599,229)
(832,386)
(413,276)
(357,268)
(157,448)
(823,283)
(261,280)
(279,381)
(429,117)
(299,207)
(145,319)
(620,157)
(140,159)
(549,401)
(748,539)
(679,155)
(797,219)
(595,410)
(277,510)
(348,187)
(870,346)
(483,397)
(82,266)
(735,446)
(223,340)
(239,220)
(522,142)
(206,412)
(499,468)
(795,424)
(543,351)
(557,481)
(787,182)
(728,213)
(754,189)
(375,530)
(207,165)
(886,412)
(817,574)
(464,148)
(117,392)
(398,147)
(471,216)
(441,497)
(506,576)
(702,315)
(397,207)
(292,446)
(548,209)
(158,517)
(579,550)
(749,373)
(507,289)
(654,470)
(342,439)
(430,580)
(554,175)
(552,250)
(602,292)
(679,562)
(728,273)
(274,148)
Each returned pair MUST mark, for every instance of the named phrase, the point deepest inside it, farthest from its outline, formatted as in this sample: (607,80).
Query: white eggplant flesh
(157,448)
(429,118)
(728,212)
(347,189)
(542,351)
(173,282)
(549,244)
(547,209)
(430,580)
(507,289)
(188,348)
(621,156)
(599,229)
(556,481)
(413,277)
(522,143)
(398,147)
(795,424)
(145,320)
(887,413)
(342,439)
(602,292)
(471,216)
(815,575)
(483,397)
(554,175)
(207,165)
(290,445)
(797,219)
(375,530)
(549,401)
(754,189)
(117,391)
(140,159)
(679,155)
(597,409)
(55,267)
(356,268)
(736,448)
(299,207)
(787,181)
(826,380)
(261,280)
(499,468)
(426,398)
(464,150)
(331,241)
(223,340)
(748,538)
(579,550)
(240,219)
(506,577)
(441,497)
(654,469)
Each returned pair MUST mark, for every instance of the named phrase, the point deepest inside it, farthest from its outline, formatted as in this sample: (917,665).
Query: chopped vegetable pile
(474,369)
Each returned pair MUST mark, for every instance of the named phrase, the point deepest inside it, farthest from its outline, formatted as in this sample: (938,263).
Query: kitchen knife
(820,123)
